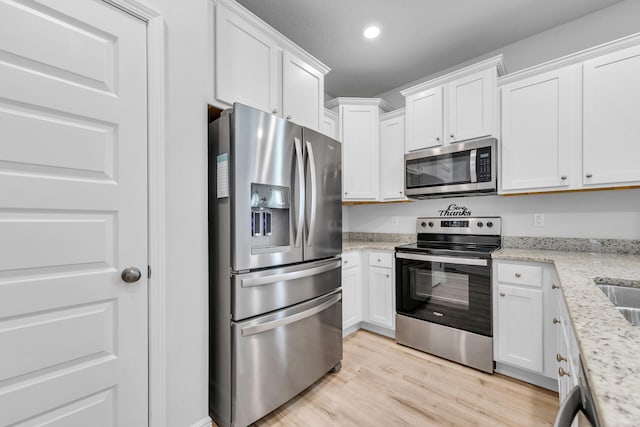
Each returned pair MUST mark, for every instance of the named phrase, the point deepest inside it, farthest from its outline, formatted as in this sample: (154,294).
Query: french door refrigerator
(275,239)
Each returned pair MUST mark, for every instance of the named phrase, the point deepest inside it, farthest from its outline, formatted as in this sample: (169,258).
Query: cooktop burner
(477,237)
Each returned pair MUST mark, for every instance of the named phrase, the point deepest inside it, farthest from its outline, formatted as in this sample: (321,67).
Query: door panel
(73,214)
(424,120)
(323,234)
(302,92)
(392,158)
(471,106)
(267,175)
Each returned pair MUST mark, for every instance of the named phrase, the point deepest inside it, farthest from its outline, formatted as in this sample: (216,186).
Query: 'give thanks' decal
(455,210)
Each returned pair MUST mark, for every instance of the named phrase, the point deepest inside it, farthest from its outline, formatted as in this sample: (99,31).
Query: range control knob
(489,224)
(423,224)
(480,224)
(430,224)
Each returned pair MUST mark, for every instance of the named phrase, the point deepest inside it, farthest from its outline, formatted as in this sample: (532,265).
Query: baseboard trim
(380,330)
(529,377)
(350,330)
(206,422)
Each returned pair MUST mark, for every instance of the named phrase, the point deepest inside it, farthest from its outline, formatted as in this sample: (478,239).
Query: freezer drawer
(277,356)
(268,290)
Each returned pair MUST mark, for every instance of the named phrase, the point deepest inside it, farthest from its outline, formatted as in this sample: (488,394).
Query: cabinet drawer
(380,259)
(350,259)
(528,275)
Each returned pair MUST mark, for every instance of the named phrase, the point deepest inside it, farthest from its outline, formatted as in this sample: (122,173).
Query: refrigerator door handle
(267,326)
(274,278)
(312,169)
(300,163)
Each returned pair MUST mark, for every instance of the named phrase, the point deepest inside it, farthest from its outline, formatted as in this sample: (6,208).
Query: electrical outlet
(538,220)
(395,220)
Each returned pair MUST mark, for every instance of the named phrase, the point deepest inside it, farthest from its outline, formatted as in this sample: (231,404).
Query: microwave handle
(472,165)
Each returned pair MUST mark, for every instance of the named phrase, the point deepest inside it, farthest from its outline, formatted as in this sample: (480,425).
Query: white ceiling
(419,37)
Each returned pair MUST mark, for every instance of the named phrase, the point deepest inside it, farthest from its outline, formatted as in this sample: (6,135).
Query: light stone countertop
(609,344)
(355,245)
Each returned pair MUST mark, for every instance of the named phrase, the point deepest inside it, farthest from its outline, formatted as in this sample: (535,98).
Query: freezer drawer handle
(266,280)
(252,330)
(443,259)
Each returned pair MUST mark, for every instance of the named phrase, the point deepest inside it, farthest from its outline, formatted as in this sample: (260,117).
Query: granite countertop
(609,344)
(355,245)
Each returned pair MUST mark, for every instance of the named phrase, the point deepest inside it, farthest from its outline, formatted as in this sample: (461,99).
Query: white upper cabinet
(540,129)
(455,107)
(392,129)
(471,106)
(329,124)
(358,126)
(302,92)
(611,130)
(246,63)
(255,65)
(424,119)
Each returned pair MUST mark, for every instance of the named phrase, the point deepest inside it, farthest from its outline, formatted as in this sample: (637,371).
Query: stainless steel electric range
(443,289)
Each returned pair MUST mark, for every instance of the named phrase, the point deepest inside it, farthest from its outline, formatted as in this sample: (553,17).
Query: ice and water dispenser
(270,206)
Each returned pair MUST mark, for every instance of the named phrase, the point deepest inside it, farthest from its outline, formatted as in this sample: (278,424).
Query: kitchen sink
(625,298)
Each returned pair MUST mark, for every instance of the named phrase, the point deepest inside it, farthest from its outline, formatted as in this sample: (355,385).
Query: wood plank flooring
(384,384)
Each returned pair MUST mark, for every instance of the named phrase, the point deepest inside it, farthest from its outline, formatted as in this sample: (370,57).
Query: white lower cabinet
(351,290)
(525,343)
(368,292)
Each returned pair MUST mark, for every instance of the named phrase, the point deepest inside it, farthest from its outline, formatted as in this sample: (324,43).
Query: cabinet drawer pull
(563,177)
(555,321)
(559,358)
(518,275)
(452,135)
(589,175)
(554,286)
(502,294)
(562,373)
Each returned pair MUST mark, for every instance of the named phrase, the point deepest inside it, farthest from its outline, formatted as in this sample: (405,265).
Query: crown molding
(393,114)
(342,100)
(573,58)
(494,61)
(271,32)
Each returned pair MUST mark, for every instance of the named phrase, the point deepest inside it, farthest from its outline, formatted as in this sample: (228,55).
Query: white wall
(590,30)
(597,214)
(186,211)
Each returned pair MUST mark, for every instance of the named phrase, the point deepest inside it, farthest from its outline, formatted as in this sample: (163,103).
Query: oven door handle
(443,259)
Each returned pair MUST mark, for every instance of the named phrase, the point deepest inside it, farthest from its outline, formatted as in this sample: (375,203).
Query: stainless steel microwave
(460,169)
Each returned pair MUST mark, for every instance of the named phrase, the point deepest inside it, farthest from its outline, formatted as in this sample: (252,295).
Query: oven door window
(449,294)
(446,169)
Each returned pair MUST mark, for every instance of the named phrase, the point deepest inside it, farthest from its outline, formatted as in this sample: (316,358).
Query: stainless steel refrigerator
(275,238)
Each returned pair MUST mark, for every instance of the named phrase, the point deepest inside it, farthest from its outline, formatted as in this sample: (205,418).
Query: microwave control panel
(483,168)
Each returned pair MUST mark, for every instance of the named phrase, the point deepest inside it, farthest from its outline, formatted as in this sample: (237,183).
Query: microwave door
(267,190)
(323,210)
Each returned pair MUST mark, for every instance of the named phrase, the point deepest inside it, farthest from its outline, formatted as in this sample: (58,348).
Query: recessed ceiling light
(371,32)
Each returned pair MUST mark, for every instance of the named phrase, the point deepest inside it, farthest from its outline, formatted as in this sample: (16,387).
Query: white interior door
(73,215)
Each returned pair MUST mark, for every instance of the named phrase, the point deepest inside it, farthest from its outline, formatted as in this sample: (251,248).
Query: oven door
(450,291)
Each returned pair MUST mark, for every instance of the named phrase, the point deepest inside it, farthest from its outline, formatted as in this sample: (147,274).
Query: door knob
(131,275)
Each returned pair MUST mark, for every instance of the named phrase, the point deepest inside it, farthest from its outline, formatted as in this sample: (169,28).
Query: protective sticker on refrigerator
(222,180)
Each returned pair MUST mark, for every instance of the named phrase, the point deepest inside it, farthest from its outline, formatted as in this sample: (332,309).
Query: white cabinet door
(351,282)
(381,296)
(246,63)
(611,130)
(540,126)
(329,125)
(73,203)
(471,106)
(302,92)
(424,120)
(520,327)
(392,158)
(359,133)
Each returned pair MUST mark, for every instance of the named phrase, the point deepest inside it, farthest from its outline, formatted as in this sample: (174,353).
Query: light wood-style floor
(384,384)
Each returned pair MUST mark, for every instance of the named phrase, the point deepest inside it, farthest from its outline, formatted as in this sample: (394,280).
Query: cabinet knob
(275,111)
(563,177)
(562,373)
(555,321)
(588,175)
(437,138)
(387,276)
(400,192)
(502,294)
(560,358)
(518,275)
(554,286)
(346,262)
(452,136)
(289,117)
(379,260)
(346,192)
